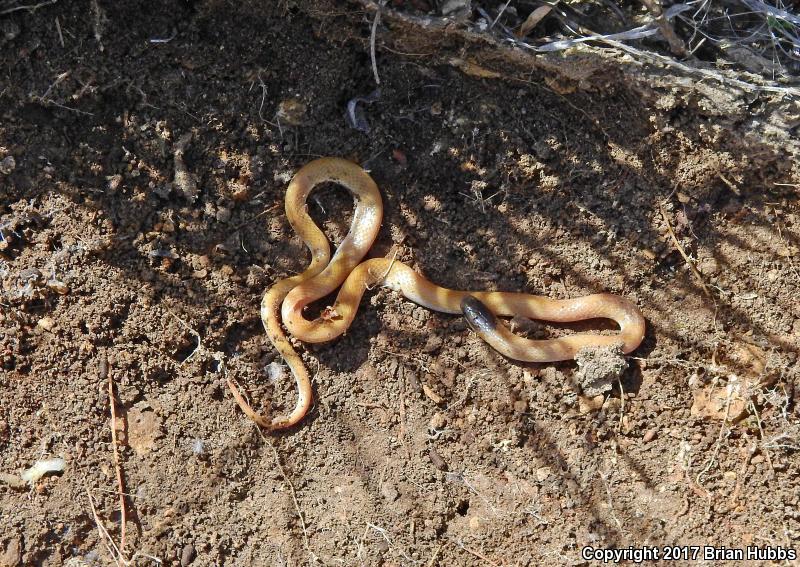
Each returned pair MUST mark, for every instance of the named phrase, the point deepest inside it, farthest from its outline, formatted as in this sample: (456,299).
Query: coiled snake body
(287,298)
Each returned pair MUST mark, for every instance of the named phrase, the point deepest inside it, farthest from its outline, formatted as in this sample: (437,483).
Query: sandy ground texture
(145,149)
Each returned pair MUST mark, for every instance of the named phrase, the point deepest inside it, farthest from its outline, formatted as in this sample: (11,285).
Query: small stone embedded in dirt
(291,111)
(433,344)
(599,368)
(455,7)
(438,421)
(389,492)
(184,181)
(9,29)
(588,404)
(113,182)
(724,403)
(437,460)
(57,286)
(12,556)
(708,266)
(649,435)
(7,165)
(144,428)
(224,214)
(187,555)
(432,395)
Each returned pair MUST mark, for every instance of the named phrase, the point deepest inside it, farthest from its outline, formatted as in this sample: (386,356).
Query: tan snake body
(288,298)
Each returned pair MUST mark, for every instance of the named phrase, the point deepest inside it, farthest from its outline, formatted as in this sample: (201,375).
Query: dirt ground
(425,447)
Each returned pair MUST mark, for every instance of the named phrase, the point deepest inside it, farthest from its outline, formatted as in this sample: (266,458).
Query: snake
(287,299)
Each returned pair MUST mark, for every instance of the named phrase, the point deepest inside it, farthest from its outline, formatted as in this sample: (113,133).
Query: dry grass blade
(533,20)
(105,373)
(687,259)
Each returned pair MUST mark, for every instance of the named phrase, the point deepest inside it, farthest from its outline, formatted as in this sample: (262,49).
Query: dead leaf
(561,85)
(533,20)
(432,395)
(474,69)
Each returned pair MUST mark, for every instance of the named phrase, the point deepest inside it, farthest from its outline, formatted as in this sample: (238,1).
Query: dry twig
(683,253)
(292,491)
(105,373)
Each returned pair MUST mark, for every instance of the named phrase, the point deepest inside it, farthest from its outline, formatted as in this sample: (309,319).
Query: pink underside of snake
(287,299)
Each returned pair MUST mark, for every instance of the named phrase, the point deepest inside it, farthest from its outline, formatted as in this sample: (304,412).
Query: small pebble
(431,394)
(187,554)
(7,165)
(437,460)
(438,421)
(57,286)
(389,492)
(433,344)
(9,29)
(649,435)
(223,214)
(292,111)
(13,553)
(114,182)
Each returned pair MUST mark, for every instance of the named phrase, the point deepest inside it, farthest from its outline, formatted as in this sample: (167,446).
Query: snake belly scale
(286,300)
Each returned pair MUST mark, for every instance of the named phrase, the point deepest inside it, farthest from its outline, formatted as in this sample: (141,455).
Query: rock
(589,405)
(187,555)
(12,556)
(46,323)
(7,165)
(224,214)
(437,460)
(389,492)
(438,421)
(433,344)
(455,7)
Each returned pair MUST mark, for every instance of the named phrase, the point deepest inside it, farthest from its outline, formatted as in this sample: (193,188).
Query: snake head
(329,313)
(479,317)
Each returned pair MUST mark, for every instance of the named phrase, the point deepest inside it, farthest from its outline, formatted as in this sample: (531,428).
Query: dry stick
(108,541)
(741,476)
(722,79)
(718,444)
(761,430)
(291,491)
(30,8)
(435,556)
(676,44)
(375,23)
(60,35)
(475,553)
(683,253)
(104,372)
